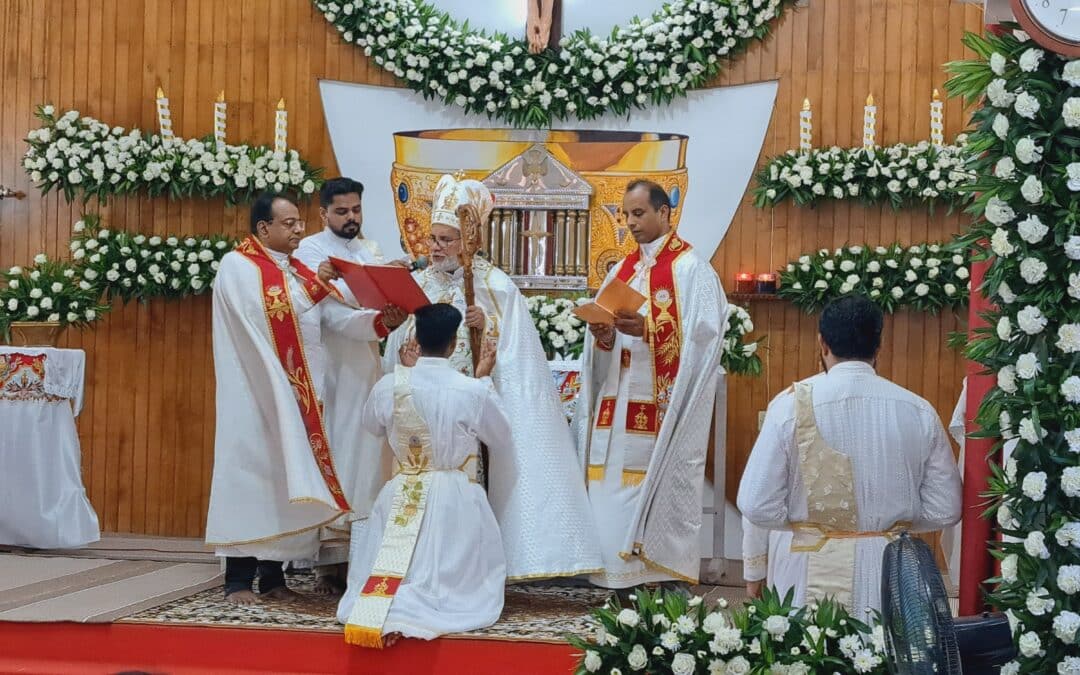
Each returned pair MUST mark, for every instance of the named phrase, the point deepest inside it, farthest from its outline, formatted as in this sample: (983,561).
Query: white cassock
(452,567)
(268,495)
(846,453)
(362,460)
(643,418)
(536,488)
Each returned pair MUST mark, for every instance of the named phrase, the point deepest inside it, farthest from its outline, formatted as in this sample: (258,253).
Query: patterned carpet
(536,613)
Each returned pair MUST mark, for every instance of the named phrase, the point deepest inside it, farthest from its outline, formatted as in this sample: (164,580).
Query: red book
(376,286)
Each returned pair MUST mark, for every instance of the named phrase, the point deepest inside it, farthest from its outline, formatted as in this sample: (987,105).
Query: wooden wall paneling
(147,427)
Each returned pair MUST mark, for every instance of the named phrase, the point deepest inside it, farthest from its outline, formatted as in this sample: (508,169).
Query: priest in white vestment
(274,480)
(845,461)
(536,488)
(361,459)
(648,383)
(432,561)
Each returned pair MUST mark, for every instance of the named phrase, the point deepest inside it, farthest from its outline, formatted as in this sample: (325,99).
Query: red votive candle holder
(766,283)
(744,283)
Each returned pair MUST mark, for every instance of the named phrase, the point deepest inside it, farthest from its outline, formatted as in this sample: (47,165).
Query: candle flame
(221,97)
(160,93)
(870,99)
(936,96)
(806,104)
(281,104)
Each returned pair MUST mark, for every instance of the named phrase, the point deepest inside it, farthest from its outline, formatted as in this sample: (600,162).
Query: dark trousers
(240,574)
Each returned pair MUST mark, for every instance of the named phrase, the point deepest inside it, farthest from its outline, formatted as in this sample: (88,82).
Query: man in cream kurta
(274,481)
(645,408)
(432,562)
(362,460)
(536,488)
(844,462)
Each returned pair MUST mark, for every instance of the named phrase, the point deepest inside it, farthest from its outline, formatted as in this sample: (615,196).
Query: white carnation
(1027,431)
(1071,73)
(1069,338)
(1031,319)
(1006,379)
(997,64)
(1035,545)
(592,661)
(629,618)
(1026,105)
(1066,625)
(1039,602)
(1032,230)
(1068,579)
(1070,481)
(1029,644)
(1068,535)
(999,95)
(998,211)
(1072,437)
(1070,389)
(1030,59)
(1008,568)
(777,626)
(1070,112)
(1034,484)
(1032,189)
(1028,366)
(1027,151)
(1001,126)
(1005,168)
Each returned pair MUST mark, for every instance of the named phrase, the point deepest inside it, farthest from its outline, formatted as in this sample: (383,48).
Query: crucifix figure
(543,25)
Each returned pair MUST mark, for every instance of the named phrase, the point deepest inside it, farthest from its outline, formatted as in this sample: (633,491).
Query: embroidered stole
(651,382)
(411,439)
(284,327)
(831,529)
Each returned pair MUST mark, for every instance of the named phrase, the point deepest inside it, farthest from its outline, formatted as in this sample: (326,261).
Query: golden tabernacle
(558,220)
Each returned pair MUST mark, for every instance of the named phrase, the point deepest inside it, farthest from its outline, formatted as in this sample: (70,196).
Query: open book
(376,286)
(616,296)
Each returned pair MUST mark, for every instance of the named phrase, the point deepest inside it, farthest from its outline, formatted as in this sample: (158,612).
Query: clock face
(1058,18)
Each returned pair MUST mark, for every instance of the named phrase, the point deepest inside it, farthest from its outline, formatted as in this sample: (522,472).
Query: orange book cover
(376,286)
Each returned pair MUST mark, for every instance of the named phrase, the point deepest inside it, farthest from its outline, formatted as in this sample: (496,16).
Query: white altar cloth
(41,489)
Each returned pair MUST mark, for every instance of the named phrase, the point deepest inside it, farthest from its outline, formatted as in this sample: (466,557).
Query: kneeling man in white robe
(432,561)
(845,461)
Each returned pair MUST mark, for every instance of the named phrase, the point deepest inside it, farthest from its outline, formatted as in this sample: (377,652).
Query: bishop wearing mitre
(274,480)
(536,488)
(648,381)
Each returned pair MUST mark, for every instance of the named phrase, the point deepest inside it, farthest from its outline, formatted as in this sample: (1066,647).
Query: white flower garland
(48,290)
(898,175)
(137,266)
(739,355)
(83,156)
(1028,184)
(926,277)
(649,61)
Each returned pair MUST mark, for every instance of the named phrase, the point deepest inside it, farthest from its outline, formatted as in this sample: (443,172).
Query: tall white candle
(937,128)
(806,127)
(219,122)
(869,123)
(164,117)
(281,130)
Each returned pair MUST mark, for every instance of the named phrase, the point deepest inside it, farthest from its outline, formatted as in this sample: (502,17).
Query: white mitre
(452,194)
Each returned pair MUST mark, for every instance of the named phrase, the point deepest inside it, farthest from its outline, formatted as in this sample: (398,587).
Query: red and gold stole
(284,328)
(663,331)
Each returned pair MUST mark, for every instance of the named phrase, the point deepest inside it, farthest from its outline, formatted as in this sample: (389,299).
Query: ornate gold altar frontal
(558,221)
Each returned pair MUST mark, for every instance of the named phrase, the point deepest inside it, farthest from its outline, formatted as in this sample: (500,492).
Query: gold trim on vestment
(555,575)
(633,477)
(595,473)
(824,534)
(272,538)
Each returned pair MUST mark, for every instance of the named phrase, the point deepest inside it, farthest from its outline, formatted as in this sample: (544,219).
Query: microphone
(418,264)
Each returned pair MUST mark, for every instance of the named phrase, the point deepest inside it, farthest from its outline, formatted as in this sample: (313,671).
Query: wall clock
(1054,24)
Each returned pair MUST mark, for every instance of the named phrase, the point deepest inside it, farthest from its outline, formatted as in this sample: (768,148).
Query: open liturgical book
(616,296)
(376,286)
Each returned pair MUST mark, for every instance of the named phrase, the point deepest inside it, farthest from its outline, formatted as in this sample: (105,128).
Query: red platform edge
(107,649)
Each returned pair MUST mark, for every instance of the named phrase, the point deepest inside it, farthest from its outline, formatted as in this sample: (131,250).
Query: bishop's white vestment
(536,488)
(362,460)
(432,560)
(644,413)
(274,480)
(844,462)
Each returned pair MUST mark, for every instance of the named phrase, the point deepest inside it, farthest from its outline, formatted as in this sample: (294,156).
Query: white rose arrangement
(1029,107)
(48,290)
(136,266)
(652,60)
(668,633)
(81,156)
(925,277)
(899,175)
